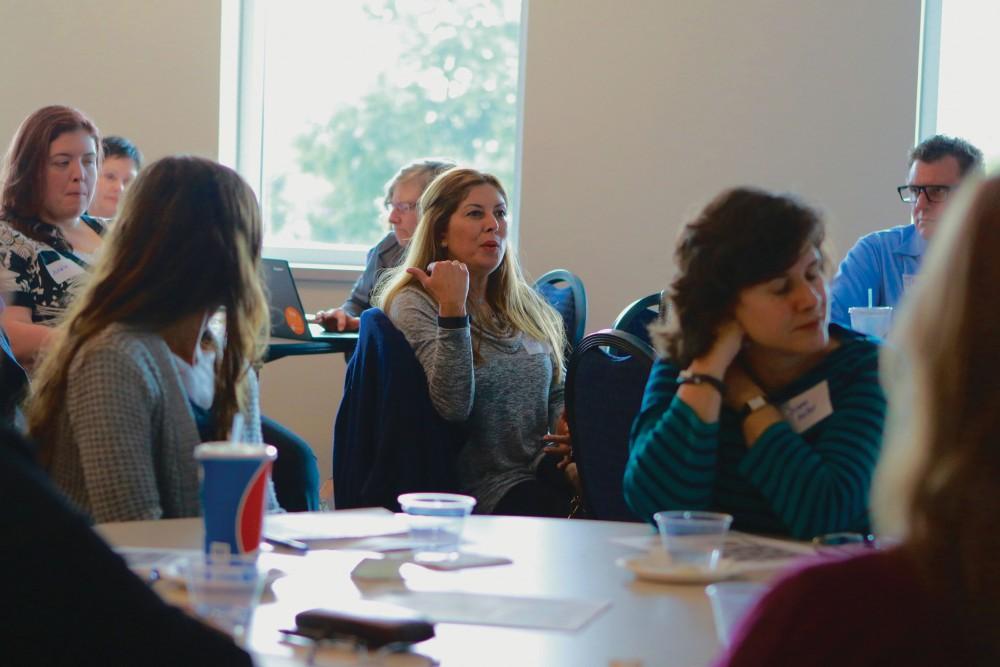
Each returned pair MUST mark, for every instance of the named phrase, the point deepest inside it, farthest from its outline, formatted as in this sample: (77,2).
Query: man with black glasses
(885,262)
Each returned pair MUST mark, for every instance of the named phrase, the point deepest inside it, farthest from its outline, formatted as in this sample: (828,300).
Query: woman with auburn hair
(759,407)
(135,379)
(934,599)
(47,244)
(490,346)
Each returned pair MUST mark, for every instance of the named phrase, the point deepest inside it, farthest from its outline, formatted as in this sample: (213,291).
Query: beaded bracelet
(702,378)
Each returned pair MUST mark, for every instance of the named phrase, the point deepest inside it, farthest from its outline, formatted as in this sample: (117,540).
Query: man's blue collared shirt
(885,262)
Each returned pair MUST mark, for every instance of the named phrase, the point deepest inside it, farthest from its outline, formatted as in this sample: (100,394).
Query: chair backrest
(639,314)
(387,438)
(605,382)
(565,292)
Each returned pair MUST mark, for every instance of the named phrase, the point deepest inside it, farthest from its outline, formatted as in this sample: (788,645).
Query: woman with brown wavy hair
(935,598)
(47,244)
(759,407)
(135,379)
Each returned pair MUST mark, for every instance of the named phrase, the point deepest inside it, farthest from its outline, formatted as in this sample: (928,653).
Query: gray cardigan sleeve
(114,430)
(445,354)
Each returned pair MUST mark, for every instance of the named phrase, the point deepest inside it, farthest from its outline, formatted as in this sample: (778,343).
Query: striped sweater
(788,483)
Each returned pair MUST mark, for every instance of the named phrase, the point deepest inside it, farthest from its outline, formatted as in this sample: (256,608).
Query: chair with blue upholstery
(639,314)
(565,292)
(605,381)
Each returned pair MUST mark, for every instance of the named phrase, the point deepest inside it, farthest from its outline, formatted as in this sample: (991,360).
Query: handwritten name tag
(808,408)
(908,279)
(63,269)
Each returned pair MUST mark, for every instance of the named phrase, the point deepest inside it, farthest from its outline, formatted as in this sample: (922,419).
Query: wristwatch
(753,405)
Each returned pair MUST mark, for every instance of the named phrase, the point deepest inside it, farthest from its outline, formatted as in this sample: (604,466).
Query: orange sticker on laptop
(295,321)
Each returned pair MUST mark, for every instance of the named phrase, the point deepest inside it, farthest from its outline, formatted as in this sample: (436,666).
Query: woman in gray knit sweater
(490,346)
(134,381)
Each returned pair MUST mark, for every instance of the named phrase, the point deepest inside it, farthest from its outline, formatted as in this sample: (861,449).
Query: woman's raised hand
(728,343)
(448,282)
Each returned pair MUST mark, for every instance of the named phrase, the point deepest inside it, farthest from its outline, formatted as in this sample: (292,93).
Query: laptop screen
(287,317)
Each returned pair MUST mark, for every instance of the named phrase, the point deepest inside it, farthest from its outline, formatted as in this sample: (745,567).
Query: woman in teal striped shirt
(759,407)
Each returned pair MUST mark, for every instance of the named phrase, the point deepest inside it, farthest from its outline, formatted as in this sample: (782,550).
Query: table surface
(278,348)
(649,623)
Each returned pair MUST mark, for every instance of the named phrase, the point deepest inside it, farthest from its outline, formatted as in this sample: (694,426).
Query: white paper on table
(387,569)
(382,544)
(503,610)
(336,526)
(751,552)
(464,560)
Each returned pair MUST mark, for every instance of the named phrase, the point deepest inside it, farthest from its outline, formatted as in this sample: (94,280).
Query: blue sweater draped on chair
(388,439)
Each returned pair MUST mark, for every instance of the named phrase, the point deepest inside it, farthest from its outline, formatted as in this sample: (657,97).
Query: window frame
(242,83)
(929,69)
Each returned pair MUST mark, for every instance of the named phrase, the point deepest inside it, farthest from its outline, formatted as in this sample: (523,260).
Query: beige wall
(304,392)
(144,69)
(635,112)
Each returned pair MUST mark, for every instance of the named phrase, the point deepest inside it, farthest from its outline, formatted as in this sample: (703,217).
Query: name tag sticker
(808,408)
(63,269)
(532,346)
(908,279)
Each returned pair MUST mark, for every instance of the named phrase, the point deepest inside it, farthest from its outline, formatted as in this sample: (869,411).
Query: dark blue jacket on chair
(388,439)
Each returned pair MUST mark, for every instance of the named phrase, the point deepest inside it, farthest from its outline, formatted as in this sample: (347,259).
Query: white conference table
(646,624)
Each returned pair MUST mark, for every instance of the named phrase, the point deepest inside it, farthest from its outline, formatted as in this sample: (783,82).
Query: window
(957,92)
(335,96)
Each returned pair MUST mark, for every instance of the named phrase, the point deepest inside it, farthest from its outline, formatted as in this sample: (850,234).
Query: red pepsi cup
(233,496)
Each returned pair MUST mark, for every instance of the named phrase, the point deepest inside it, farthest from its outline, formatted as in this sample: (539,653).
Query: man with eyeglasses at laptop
(402,193)
(886,261)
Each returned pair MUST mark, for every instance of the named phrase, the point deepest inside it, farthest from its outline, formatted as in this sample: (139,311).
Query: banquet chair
(605,382)
(565,292)
(294,473)
(639,314)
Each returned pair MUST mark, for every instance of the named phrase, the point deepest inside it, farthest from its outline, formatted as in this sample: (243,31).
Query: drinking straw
(236,434)
(869,297)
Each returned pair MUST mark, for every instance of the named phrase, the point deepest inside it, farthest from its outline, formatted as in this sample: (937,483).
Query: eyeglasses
(934,193)
(400,207)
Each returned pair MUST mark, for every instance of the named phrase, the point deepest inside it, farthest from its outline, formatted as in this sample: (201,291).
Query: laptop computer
(288,319)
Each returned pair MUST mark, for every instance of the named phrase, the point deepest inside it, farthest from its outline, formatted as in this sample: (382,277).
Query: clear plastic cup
(223,594)
(875,321)
(436,520)
(731,601)
(693,539)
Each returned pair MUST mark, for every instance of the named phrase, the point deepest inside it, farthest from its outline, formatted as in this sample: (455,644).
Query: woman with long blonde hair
(489,344)
(135,379)
(935,598)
